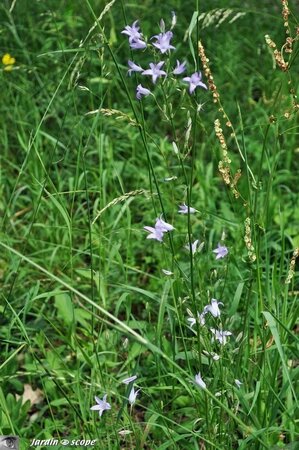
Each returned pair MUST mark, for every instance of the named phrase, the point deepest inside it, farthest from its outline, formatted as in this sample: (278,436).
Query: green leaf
(64,306)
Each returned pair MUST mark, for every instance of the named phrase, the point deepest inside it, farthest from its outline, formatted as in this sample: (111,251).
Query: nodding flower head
(184,209)
(134,68)
(142,92)
(199,381)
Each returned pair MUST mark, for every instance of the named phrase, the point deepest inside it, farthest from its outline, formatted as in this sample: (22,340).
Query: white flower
(221,251)
(163,226)
(154,233)
(238,383)
(184,209)
(101,405)
(192,321)
(158,231)
(155,70)
(213,308)
(167,272)
(221,335)
(142,91)
(200,318)
(133,396)
(129,380)
(199,381)
(134,68)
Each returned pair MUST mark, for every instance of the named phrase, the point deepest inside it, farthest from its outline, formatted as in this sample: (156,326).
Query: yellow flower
(8,61)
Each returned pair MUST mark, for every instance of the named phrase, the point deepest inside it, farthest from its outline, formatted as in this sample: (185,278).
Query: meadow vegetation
(202,307)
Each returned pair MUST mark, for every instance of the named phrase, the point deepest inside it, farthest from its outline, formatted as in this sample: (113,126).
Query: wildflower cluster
(156,70)
(212,308)
(159,229)
(217,334)
(103,405)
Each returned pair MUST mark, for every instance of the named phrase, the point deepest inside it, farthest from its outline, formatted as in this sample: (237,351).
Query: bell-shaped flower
(102,405)
(184,209)
(163,226)
(160,228)
(220,335)
(163,41)
(132,32)
(138,45)
(142,92)
(195,81)
(135,36)
(154,234)
(213,308)
(180,68)
(199,381)
(238,383)
(155,71)
(221,251)
(134,68)
(200,318)
(133,396)
(130,379)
